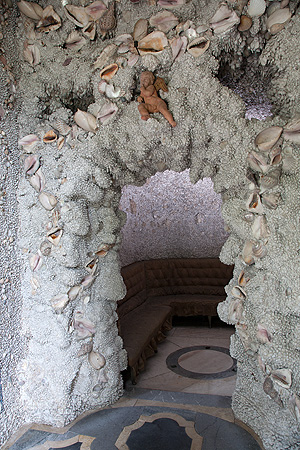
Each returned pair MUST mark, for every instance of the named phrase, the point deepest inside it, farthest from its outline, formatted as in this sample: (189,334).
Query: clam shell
(283,377)
(153,43)
(50,137)
(256,8)
(74,292)
(278,19)
(140,29)
(247,253)
(107,112)
(48,201)
(263,335)
(50,20)
(86,121)
(77,15)
(96,360)
(198,46)
(35,262)
(178,47)
(238,292)
(96,10)
(90,30)
(59,302)
(45,248)
(54,235)
(260,228)
(267,138)
(109,71)
(37,180)
(164,21)
(30,9)
(75,41)
(245,23)
(271,200)
(31,164)
(254,203)
(105,56)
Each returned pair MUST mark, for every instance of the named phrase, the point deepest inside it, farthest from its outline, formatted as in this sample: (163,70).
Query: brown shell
(109,71)
(245,23)
(50,137)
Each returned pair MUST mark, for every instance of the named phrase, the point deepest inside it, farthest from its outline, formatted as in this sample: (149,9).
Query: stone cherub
(149,101)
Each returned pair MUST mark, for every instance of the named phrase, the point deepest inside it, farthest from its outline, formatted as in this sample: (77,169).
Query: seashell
(202,28)
(224,19)
(77,15)
(108,21)
(238,292)
(132,60)
(37,180)
(92,266)
(35,284)
(31,53)
(270,180)
(261,364)
(198,46)
(50,21)
(294,405)
(59,302)
(249,217)
(107,112)
(235,311)
(87,281)
(283,377)
(170,4)
(84,327)
(29,141)
(153,43)
(109,71)
(267,138)
(289,164)
(30,9)
(29,29)
(257,162)
(277,20)
(102,377)
(35,262)
(90,30)
(263,334)
(105,56)
(247,253)
(269,389)
(86,121)
(60,142)
(242,280)
(190,33)
(48,201)
(140,29)
(109,90)
(275,156)
(259,250)
(103,250)
(31,164)
(75,41)
(178,47)
(254,203)
(291,131)
(61,127)
(54,235)
(96,10)
(260,228)
(67,61)
(164,21)
(45,248)
(245,23)
(271,200)
(96,360)
(256,8)
(84,349)
(50,137)
(73,292)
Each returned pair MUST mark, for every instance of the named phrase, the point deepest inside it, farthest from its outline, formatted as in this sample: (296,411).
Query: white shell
(47,200)
(283,377)
(29,141)
(247,253)
(96,10)
(170,4)
(238,292)
(37,180)
(75,41)
(198,46)
(35,262)
(50,21)
(140,29)
(260,228)
(30,9)
(31,164)
(77,15)
(164,21)
(86,121)
(254,203)
(31,54)
(224,19)
(96,360)
(267,138)
(73,292)
(178,47)
(54,235)
(107,112)
(59,302)
(105,56)
(256,8)
(278,19)
(153,43)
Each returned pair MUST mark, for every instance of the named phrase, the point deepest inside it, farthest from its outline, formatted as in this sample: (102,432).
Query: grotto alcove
(60,299)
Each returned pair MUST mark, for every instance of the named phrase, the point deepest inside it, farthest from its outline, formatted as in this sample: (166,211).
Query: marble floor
(181,402)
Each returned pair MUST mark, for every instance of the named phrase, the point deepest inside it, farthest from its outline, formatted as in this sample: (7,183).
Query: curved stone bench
(159,289)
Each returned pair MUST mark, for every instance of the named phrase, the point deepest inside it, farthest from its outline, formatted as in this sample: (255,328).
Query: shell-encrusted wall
(82,139)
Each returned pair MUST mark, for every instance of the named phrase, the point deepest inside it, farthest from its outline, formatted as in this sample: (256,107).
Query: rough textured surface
(85,174)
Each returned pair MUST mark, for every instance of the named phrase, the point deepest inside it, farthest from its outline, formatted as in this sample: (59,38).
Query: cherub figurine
(152,102)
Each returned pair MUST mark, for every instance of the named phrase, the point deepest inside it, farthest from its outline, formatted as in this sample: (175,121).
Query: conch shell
(86,121)
(153,43)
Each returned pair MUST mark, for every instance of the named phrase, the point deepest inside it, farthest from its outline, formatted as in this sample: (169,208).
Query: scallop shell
(198,46)
(283,377)
(45,248)
(140,29)
(254,203)
(90,30)
(245,23)
(277,20)
(50,137)
(35,262)
(164,21)
(247,253)
(256,8)
(291,131)
(77,15)
(267,138)
(37,180)
(74,292)
(75,41)
(107,112)
(153,43)
(30,9)
(48,201)
(271,200)
(260,228)
(178,47)
(31,164)
(238,292)
(59,302)
(263,335)
(109,71)
(61,127)
(224,19)
(50,20)
(105,56)
(54,235)
(86,121)
(96,360)
(96,10)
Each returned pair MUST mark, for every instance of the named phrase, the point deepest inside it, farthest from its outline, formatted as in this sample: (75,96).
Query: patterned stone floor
(186,407)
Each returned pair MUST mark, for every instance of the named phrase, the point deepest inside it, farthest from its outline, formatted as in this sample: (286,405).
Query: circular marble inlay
(202,362)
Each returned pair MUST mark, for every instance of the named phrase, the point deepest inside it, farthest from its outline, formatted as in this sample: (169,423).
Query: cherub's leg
(167,115)
(143,111)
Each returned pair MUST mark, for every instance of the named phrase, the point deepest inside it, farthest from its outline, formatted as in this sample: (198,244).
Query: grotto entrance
(177,229)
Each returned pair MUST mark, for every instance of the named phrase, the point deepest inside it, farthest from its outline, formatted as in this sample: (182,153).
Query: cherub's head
(147,78)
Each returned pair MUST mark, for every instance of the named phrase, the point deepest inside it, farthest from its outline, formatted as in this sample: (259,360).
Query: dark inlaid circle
(202,362)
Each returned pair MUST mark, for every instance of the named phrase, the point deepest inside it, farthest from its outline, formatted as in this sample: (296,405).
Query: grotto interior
(72,138)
